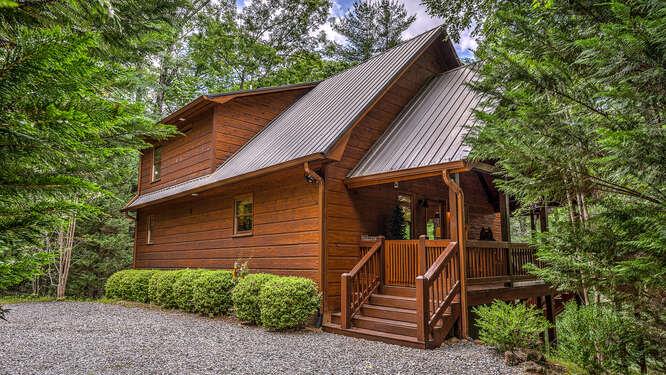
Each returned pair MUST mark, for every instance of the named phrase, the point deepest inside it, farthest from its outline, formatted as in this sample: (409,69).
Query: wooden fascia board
(407,174)
(258,173)
(341,141)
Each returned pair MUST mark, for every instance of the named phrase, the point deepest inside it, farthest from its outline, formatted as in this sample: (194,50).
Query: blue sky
(423,23)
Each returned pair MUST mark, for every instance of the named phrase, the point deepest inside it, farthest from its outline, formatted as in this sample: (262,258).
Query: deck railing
(436,290)
(489,261)
(358,284)
(406,259)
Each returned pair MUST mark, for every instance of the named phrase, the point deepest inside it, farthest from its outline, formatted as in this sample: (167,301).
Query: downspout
(456,192)
(312,177)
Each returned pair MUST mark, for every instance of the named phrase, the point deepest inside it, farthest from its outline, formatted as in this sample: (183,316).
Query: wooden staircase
(390,315)
(421,316)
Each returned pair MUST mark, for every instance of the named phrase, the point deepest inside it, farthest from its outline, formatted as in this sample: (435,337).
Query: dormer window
(157,163)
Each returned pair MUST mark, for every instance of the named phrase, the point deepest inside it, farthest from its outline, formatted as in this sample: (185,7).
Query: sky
(423,23)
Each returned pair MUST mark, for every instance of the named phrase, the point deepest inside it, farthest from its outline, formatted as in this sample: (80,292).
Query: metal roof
(430,130)
(312,125)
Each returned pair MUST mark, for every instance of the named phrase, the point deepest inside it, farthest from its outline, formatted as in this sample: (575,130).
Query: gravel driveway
(95,338)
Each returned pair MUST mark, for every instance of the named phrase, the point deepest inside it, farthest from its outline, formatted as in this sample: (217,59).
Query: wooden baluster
(422,255)
(382,252)
(345,319)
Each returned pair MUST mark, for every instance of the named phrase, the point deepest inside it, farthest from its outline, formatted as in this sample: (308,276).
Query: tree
(574,117)
(372,27)
(65,115)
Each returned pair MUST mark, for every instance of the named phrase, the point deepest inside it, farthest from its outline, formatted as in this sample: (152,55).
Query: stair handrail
(358,284)
(433,290)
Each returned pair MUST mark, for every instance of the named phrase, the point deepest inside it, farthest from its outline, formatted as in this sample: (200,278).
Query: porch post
(543,219)
(457,204)
(505,217)
(422,256)
(551,318)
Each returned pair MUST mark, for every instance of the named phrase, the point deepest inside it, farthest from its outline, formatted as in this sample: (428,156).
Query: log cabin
(313,180)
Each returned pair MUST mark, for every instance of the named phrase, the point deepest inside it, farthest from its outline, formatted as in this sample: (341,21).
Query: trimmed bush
(160,289)
(599,339)
(507,327)
(288,302)
(183,288)
(129,285)
(212,293)
(246,297)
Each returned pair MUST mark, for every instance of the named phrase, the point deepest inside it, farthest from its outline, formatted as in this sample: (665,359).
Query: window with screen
(151,229)
(157,163)
(243,215)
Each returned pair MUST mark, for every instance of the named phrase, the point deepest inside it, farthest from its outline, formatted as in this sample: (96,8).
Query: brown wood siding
(184,157)
(343,220)
(242,118)
(479,210)
(198,232)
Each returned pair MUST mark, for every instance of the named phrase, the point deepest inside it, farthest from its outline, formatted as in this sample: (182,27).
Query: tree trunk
(65,244)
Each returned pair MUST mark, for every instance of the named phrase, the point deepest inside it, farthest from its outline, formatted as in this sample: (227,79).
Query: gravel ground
(94,338)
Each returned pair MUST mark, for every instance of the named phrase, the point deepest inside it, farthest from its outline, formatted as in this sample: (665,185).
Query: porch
(418,290)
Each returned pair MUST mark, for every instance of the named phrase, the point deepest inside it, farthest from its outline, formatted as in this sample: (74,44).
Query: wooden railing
(436,290)
(406,259)
(489,261)
(358,284)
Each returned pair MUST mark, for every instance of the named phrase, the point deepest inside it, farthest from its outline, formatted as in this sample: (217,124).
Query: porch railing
(436,290)
(406,259)
(358,284)
(489,261)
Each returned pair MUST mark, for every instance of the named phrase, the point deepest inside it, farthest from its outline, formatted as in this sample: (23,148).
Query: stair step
(385,325)
(390,313)
(398,291)
(393,301)
(369,334)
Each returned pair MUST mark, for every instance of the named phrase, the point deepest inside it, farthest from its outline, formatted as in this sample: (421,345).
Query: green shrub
(599,339)
(288,302)
(212,293)
(506,327)
(160,288)
(183,288)
(129,285)
(246,297)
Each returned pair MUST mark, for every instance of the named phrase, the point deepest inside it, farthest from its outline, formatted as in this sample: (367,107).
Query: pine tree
(371,27)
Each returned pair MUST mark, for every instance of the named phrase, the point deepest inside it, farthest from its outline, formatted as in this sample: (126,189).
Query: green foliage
(245,297)
(212,293)
(288,302)
(130,285)
(160,288)
(372,27)
(183,288)
(507,327)
(599,339)
(15,270)
(397,226)
(573,117)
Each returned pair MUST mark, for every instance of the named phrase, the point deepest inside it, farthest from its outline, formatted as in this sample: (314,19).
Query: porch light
(195,194)
(395,185)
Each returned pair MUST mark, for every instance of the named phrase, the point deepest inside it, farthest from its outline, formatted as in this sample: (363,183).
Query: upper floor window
(151,229)
(157,163)
(243,215)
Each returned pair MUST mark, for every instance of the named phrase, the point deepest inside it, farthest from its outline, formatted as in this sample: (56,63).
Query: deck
(414,292)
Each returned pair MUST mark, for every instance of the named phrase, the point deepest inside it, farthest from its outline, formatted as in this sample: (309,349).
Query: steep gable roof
(430,130)
(311,127)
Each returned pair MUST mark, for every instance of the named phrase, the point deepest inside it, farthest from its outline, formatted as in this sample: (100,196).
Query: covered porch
(453,251)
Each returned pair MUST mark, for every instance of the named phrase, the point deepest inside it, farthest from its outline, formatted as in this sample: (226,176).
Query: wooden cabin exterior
(302,180)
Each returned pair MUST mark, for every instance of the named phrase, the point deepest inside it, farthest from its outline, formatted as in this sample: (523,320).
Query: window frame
(150,228)
(240,198)
(156,149)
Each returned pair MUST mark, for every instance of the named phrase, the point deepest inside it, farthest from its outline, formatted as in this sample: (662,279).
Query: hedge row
(275,302)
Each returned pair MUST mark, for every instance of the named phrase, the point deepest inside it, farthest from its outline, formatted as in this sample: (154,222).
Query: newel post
(422,258)
(422,309)
(345,308)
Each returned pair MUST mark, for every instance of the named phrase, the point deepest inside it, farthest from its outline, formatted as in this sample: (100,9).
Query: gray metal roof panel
(430,130)
(315,122)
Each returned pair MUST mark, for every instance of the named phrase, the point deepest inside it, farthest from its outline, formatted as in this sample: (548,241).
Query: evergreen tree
(574,117)
(372,27)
